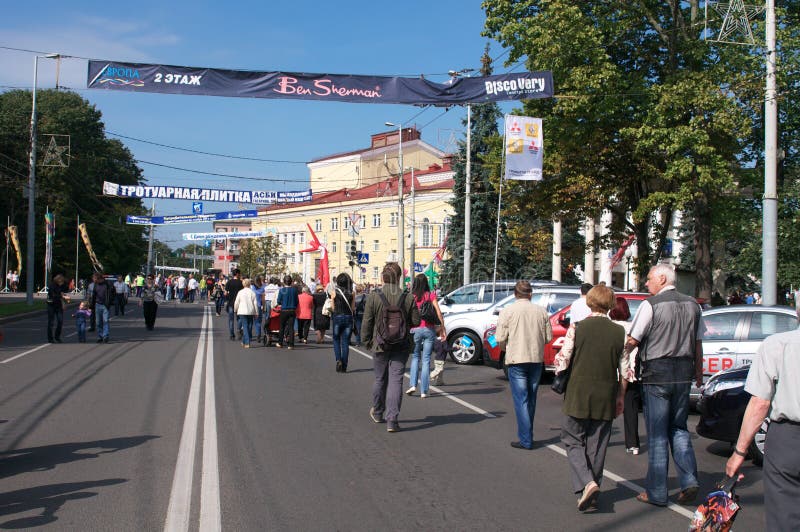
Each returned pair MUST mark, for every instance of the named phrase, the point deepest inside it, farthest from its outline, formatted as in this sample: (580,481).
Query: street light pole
(412,241)
(31,188)
(468,201)
(769,264)
(401,209)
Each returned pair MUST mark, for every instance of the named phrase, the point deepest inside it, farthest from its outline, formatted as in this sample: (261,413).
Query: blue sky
(356,37)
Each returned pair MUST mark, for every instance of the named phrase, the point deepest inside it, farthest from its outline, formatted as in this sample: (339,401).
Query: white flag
(524,143)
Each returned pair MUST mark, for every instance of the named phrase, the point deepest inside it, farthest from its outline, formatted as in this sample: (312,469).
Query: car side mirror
(496,312)
(447,301)
(564,321)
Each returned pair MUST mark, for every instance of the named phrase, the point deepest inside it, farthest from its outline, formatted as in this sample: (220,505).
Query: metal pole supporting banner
(401,225)
(150,242)
(31,237)
(769,264)
(76,290)
(6,289)
(497,233)
(412,241)
(468,202)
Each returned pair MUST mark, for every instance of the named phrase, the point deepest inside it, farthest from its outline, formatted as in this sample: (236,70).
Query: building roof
(424,181)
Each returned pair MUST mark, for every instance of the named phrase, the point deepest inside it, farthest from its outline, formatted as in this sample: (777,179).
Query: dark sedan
(722,404)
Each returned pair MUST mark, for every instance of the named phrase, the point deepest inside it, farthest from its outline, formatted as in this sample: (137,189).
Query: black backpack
(391,329)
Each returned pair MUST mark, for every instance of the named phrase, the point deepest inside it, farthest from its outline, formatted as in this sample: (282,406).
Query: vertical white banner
(524,142)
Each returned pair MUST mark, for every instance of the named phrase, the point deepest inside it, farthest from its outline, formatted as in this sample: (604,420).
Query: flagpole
(499,203)
(77,290)
(6,289)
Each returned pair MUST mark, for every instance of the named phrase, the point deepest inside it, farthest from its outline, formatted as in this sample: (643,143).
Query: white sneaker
(411,390)
(423,395)
(632,450)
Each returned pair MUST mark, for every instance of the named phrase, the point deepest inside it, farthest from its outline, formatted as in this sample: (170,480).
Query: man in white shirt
(181,287)
(579,309)
(193,285)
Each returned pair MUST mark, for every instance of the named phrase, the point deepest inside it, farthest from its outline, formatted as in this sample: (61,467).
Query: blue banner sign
(189,218)
(253,197)
(167,79)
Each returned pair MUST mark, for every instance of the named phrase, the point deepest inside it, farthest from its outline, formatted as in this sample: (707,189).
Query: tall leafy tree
(649,117)
(72,191)
(261,256)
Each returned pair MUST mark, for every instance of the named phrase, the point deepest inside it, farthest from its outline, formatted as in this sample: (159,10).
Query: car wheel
(757,447)
(466,348)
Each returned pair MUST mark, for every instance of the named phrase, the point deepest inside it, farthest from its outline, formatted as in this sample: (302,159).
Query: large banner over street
(189,218)
(254,197)
(166,79)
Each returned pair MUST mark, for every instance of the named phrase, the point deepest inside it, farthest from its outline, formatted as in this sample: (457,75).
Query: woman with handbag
(424,335)
(322,321)
(343,304)
(595,394)
(287,300)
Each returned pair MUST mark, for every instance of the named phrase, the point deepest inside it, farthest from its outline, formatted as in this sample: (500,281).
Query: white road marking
(622,481)
(210,511)
(28,352)
(180,499)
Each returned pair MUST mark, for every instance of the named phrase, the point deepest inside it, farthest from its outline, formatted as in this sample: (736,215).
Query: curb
(31,314)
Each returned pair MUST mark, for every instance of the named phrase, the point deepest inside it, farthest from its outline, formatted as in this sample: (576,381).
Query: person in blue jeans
(358,315)
(424,335)
(258,288)
(102,299)
(287,300)
(231,291)
(343,305)
(667,329)
(525,329)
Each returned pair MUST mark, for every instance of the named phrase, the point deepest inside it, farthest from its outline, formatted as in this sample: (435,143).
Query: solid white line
(28,352)
(606,473)
(180,499)
(210,511)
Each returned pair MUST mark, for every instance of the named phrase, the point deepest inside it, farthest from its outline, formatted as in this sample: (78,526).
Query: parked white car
(480,296)
(465,329)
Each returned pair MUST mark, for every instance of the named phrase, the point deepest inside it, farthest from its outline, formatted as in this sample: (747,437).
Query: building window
(333,247)
(334,224)
(427,233)
(318,225)
(361,245)
(293,237)
(376,245)
(302,238)
(347,222)
(362,222)
(442,229)
(376,220)
(392,219)
(374,272)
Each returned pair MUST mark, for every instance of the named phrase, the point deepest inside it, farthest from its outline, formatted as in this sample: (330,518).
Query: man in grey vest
(667,330)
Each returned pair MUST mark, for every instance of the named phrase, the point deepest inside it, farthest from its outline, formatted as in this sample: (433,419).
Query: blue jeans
(169,292)
(666,409)
(101,320)
(342,327)
(357,319)
(258,320)
(231,321)
(523,379)
(423,345)
(81,326)
(246,323)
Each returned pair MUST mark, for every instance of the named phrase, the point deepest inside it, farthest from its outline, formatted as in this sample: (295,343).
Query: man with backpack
(389,315)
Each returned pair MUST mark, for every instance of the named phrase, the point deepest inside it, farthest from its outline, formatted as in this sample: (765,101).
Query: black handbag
(561,379)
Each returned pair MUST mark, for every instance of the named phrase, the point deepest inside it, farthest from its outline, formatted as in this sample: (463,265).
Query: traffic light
(353,249)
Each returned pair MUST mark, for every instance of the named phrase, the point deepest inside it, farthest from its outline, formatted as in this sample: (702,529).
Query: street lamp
(32,185)
(400,206)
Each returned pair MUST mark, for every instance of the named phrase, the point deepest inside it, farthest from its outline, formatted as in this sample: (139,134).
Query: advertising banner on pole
(50,233)
(523,145)
(253,197)
(14,236)
(230,236)
(98,267)
(167,79)
(189,218)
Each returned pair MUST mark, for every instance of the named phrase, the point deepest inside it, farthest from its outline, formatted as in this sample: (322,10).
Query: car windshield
(465,294)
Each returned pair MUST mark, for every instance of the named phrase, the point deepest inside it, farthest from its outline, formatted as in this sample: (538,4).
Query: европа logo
(114,75)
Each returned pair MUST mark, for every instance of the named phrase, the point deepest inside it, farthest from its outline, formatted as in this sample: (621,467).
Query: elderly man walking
(667,330)
(525,328)
(388,312)
(772,382)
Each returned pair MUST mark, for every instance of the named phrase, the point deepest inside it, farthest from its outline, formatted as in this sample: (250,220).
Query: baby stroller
(272,327)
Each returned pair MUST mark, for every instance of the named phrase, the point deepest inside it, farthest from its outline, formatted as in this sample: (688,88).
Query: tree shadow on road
(50,498)
(46,457)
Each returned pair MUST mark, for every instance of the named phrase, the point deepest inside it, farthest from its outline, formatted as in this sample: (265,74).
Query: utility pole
(412,242)
(769,265)
(468,201)
(31,237)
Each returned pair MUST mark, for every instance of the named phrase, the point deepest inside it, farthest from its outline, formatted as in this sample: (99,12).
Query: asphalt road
(181,429)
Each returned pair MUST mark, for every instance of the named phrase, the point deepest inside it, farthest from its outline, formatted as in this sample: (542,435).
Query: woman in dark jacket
(343,304)
(287,300)
(595,394)
(321,322)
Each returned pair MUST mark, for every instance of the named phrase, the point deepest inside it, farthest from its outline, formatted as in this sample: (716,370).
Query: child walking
(82,316)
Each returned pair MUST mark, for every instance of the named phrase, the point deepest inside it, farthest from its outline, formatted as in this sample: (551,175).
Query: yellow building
(374,209)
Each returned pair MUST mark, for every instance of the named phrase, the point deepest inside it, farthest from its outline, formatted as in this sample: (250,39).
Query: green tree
(72,191)
(648,117)
(261,256)
(485,169)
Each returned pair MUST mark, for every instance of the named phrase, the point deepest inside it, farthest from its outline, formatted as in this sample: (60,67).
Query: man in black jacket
(56,298)
(389,366)
(102,298)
